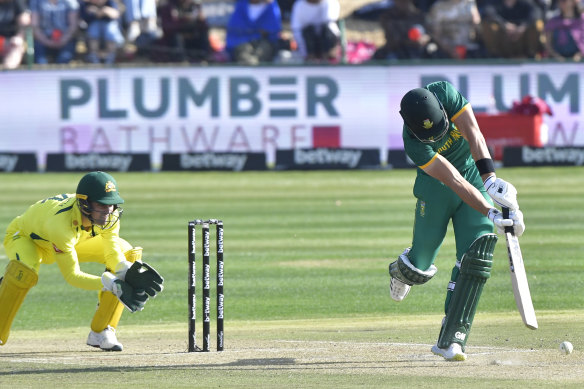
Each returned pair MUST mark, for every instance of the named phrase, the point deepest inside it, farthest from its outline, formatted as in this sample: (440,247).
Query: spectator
(454,25)
(253,31)
(286,8)
(55,24)
(424,5)
(14,18)
(405,34)
(315,29)
(513,29)
(141,21)
(102,18)
(185,32)
(565,31)
(545,7)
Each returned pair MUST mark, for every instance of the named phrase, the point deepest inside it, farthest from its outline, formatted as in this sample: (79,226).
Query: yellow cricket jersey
(54,226)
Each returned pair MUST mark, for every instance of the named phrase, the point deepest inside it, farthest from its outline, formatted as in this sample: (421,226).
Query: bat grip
(506,216)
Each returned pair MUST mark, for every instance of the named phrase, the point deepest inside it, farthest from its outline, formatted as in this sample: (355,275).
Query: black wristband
(485,166)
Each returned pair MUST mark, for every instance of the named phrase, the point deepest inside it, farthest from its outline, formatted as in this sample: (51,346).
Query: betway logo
(98,161)
(8,162)
(234,162)
(572,156)
(349,158)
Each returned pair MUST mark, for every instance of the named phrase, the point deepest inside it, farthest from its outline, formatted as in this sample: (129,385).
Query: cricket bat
(519,277)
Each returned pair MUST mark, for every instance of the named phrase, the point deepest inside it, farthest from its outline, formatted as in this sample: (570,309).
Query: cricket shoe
(398,290)
(452,353)
(105,340)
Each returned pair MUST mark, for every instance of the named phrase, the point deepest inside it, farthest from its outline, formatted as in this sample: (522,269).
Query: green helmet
(99,187)
(424,115)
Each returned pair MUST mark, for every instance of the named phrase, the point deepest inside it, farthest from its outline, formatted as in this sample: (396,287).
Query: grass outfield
(306,257)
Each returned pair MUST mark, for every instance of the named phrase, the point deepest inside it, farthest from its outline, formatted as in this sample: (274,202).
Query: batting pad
(16,283)
(406,272)
(108,313)
(475,270)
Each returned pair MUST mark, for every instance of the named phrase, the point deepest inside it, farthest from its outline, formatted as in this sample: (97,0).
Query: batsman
(69,229)
(456,182)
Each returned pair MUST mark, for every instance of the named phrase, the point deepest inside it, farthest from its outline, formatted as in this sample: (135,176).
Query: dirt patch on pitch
(165,349)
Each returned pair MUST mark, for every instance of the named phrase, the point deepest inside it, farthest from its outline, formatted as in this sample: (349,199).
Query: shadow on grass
(242,364)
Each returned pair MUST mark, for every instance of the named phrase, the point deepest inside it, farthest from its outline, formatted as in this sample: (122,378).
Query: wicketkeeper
(70,229)
(455,182)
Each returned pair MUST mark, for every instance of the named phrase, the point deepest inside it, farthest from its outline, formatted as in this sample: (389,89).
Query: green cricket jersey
(436,203)
(453,146)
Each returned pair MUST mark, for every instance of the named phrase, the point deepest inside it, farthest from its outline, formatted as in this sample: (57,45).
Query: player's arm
(467,124)
(503,193)
(72,273)
(134,299)
(442,170)
(111,247)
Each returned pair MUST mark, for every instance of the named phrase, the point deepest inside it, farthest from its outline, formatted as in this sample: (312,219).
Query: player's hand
(496,217)
(144,277)
(518,224)
(503,193)
(132,298)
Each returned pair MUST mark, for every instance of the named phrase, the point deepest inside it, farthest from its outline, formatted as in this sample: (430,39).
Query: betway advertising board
(257,109)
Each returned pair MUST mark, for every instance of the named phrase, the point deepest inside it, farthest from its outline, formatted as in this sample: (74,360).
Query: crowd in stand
(111,31)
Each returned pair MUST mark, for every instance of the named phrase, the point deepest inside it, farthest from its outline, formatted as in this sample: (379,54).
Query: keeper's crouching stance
(455,183)
(70,229)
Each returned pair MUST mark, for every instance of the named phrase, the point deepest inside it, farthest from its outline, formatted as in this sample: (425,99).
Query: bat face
(513,250)
(519,281)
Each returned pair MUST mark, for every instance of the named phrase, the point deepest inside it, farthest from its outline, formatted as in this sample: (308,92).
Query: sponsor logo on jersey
(450,140)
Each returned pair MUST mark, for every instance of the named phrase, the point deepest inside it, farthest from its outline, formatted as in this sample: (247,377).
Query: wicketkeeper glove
(503,193)
(141,276)
(132,298)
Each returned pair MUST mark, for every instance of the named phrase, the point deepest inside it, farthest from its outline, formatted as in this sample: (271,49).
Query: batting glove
(500,223)
(518,224)
(503,193)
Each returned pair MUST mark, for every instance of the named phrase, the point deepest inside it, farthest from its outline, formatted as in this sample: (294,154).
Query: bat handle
(506,216)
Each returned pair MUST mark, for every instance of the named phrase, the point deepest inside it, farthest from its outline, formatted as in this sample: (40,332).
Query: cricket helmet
(424,115)
(99,187)
(102,188)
